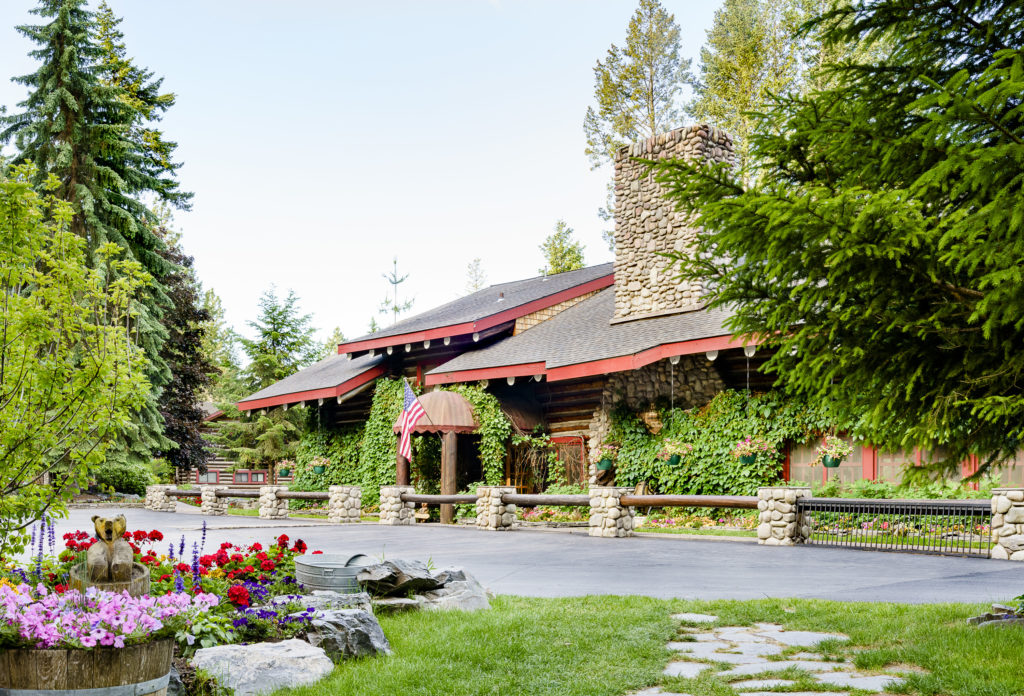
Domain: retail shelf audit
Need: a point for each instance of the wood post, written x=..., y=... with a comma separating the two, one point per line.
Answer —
x=449, y=443
x=401, y=471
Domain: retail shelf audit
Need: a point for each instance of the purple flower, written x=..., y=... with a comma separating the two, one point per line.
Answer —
x=179, y=582
x=170, y=551
x=181, y=547
x=202, y=545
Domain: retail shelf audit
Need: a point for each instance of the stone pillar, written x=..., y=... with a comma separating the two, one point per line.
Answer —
x=491, y=513
x=211, y=504
x=157, y=499
x=392, y=509
x=272, y=507
x=1008, y=524
x=779, y=522
x=344, y=503
x=608, y=517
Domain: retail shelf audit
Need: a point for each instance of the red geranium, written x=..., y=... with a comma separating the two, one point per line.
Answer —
x=262, y=556
x=183, y=568
x=256, y=547
x=237, y=557
x=282, y=540
x=300, y=546
x=249, y=569
x=238, y=595
x=226, y=545
x=267, y=565
x=165, y=577
x=60, y=589
x=156, y=535
x=140, y=535
x=317, y=552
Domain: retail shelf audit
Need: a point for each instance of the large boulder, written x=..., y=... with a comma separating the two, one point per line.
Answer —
x=460, y=591
x=261, y=668
x=325, y=600
x=397, y=578
x=347, y=633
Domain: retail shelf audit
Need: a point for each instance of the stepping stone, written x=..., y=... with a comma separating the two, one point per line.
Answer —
x=760, y=649
x=803, y=639
x=739, y=634
x=699, y=648
x=766, y=666
x=762, y=683
x=685, y=669
x=704, y=637
x=695, y=618
x=656, y=691
x=796, y=693
x=859, y=681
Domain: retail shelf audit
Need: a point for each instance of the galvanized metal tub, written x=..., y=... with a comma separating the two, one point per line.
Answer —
x=330, y=571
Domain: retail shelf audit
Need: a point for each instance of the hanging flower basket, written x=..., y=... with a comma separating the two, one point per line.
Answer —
x=832, y=451
x=320, y=464
x=747, y=459
x=606, y=456
x=284, y=473
x=748, y=449
x=673, y=451
x=830, y=462
x=318, y=469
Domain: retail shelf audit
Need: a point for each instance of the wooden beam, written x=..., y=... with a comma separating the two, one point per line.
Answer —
x=401, y=471
x=449, y=445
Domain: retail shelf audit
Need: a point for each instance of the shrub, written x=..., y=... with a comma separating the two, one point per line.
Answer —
x=124, y=477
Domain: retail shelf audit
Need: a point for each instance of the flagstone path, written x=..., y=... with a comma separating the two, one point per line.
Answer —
x=743, y=653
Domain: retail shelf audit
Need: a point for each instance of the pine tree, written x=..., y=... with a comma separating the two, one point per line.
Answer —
x=184, y=353
x=284, y=340
x=86, y=126
x=880, y=251
x=330, y=345
x=476, y=279
x=638, y=90
x=391, y=304
x=561, y=251
x=752, y=52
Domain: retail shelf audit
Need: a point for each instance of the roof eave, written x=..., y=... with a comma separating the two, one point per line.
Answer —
x=334, y=392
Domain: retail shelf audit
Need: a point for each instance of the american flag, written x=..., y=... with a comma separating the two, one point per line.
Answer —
x=412, y=411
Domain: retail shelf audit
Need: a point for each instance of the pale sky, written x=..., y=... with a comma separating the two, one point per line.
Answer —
x=323, y=138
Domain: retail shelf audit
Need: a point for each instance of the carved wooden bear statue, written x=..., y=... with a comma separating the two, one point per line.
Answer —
x=110, y=558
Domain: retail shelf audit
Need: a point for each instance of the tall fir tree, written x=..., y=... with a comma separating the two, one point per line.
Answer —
x=638, y=90
x=220, y=346
x=84, y=122
x=880, y=251
x=183, y=351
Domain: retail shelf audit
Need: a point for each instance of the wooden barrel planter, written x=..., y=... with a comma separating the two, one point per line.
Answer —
x=137, y=586
x=137, y=670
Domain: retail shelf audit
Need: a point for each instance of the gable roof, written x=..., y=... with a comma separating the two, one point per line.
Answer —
x=581, y=341
x=487, y=308
x=332, y=377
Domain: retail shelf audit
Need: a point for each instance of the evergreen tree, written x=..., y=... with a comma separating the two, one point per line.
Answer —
x=85, y=125
x=879, y=253
x=637, y=89
x=284, y=341
x=220, y=350
x=752, y=52
x=476, y=279
x=561, y=251
x=183, y=352
x=330, y=345
x=391, y=304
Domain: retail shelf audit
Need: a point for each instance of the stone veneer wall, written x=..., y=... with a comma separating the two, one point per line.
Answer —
x=779, y=522
x=210, y=504
x=491, y=513
x=393, y=510
x=530, y=320
x=1008, y=524
x=157, y=499
x=272, y=507
x=646, y=224
x=343, y=504
x=696, y=383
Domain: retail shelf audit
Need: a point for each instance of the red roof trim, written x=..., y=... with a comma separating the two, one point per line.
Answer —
x=635, y=362
x=596, y=367
x=522, y=370
x=481, y=324
x=324, y=393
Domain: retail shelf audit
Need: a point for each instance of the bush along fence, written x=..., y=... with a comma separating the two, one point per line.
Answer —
x=787, y=515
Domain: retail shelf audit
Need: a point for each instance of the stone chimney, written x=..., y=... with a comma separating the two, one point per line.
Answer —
x=646, y=224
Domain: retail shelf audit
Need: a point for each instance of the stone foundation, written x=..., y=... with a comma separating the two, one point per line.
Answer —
x=272, y=507
x=779, y=522
x=647, y=224
x=392, y=509
x=157, y=500
x=344, y=503
x=1008, y=524
x=491, y=513
x=608, y=517
x=693, y=382
x=210, y=503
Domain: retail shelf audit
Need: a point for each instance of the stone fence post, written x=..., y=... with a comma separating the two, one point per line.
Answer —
x=491, y=513
x=157, y=499
x=608, y=517
x=344, y=504
x=272, y=507
x=1008, y=524
x=210, y=503
x=779, y=522
x=392, y=510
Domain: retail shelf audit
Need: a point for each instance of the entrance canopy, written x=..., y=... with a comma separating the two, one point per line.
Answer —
x=446, y=412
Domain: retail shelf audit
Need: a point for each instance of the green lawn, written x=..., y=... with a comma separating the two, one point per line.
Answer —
x=610, y=646
x=704, y=531
x=255, y=512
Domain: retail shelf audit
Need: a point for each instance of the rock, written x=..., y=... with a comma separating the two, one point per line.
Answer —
x=999, y=553
x=397, y=578
x=323, y=600
x=395, y=604
x=464, y=595
x=1003, y=609
x=174, y=685
x=448, y=574
x=1014, y=515
x=261, y=668
x=347, y=633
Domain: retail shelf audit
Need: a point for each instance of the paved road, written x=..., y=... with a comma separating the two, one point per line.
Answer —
x=560, y=563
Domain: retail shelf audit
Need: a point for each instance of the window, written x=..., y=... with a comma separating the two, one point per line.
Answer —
x=241, y=477
x=208, y=477
x=258, y=477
